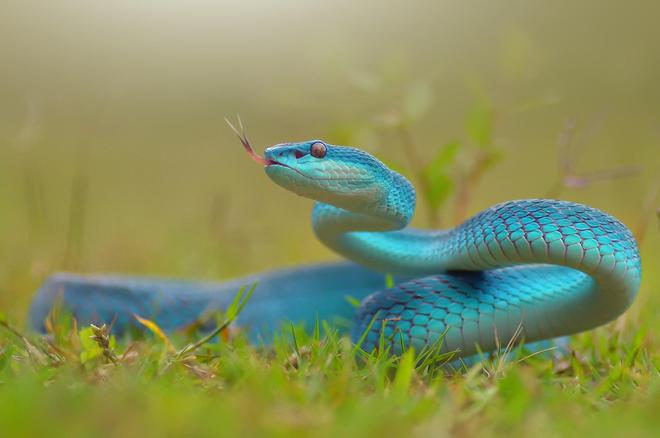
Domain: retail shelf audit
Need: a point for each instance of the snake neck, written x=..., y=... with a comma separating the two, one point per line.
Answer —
x=389, y=206
x=375, y=233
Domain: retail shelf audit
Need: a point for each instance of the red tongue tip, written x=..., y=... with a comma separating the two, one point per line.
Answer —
x=246, y=144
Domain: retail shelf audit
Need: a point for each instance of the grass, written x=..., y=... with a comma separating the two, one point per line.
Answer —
x=79, y=381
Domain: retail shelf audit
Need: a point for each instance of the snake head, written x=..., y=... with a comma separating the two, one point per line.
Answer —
x=342, y=176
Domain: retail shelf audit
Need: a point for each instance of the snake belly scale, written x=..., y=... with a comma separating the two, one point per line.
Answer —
x=541, y=268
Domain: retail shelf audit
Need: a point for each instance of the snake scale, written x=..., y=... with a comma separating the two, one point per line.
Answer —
x=540, y=268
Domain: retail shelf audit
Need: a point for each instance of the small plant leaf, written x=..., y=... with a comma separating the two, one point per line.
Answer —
x=90, y=349
x=446, y=155
x=153, y=328
x=439, y=184
x=440, y=187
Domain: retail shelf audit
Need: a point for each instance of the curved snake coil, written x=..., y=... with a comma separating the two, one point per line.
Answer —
x=547, y=268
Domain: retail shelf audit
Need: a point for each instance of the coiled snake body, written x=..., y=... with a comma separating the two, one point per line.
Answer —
x=546, y=268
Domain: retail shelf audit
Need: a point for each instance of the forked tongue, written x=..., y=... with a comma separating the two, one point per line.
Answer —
x=246, y=143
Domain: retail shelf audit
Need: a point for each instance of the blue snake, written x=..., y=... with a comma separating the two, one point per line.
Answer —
x=534, y=269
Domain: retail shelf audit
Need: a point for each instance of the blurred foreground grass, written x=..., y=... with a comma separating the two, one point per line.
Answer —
x=81, y=382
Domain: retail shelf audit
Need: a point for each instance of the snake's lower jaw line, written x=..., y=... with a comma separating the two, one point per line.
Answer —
x=276, y=165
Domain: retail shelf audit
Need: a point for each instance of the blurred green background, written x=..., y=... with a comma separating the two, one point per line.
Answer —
x=114, y=155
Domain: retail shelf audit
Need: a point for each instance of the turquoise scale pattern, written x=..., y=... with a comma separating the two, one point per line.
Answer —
x=553, y=268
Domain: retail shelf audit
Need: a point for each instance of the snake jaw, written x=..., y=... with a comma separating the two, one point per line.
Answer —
x=242, y=136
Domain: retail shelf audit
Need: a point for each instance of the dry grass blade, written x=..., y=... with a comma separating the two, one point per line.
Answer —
x=156, y=330
x=569, y=177
x=536, y=353
x=38, y=356
x=502, y=358
x=586, y=179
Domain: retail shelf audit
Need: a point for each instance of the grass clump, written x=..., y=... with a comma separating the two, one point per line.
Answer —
x=79, y=381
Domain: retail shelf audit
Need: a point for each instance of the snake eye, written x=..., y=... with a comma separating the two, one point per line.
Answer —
x=318, y=150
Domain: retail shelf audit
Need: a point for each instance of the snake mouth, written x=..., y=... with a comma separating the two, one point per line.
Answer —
x=266, y=162
x=269, y=162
